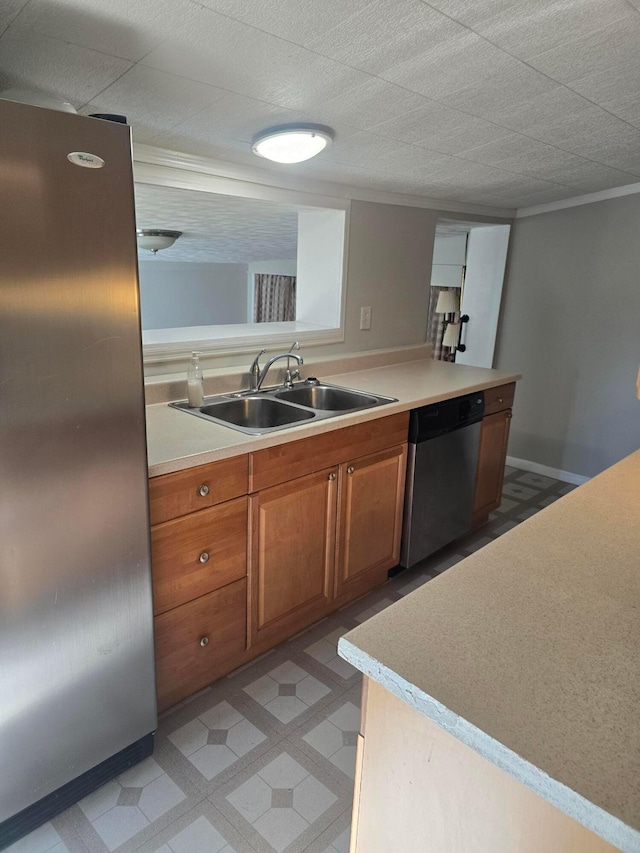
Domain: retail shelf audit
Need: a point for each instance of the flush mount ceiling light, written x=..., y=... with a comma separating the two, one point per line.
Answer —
x=155, y=239
x=292, y=143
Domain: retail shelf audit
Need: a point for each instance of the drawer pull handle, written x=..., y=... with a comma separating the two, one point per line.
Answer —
x=500, y=400
x=332, y=476
x=350, y=469
x=203, y=491
x=204, y=641
x=204, y=557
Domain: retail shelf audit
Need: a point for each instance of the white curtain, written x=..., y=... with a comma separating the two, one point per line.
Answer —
x=275, y=298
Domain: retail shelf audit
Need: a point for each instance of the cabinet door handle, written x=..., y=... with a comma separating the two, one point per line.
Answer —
x=204, y=641
x=332, y=476
x=204, y=557
x=203, y=491
x=350, y=469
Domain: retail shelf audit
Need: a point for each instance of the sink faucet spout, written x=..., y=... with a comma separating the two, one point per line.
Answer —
x=272, y=360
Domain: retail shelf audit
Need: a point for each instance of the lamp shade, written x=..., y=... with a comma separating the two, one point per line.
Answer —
x=450, y=337
x=447, y=302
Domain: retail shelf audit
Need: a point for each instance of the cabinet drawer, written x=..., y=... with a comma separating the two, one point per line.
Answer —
x=198, y=553
x=308, y=455
x=199, y=642
x=500, y=398
x=174, y=495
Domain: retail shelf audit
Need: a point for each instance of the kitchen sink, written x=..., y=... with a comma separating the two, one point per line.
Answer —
x=253, y=415
x=327, y=398
x=256, y=413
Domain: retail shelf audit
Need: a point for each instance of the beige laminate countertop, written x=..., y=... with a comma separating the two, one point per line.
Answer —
x=529, y=652
x=177, y=440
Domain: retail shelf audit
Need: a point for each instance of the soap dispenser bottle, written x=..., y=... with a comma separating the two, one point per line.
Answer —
x=195, y=382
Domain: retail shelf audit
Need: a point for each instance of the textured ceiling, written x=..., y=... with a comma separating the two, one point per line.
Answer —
x=217, y=229
x=499, y=102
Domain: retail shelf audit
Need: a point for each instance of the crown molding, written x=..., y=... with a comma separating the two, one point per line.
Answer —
x=576, y=201
x=152, y=156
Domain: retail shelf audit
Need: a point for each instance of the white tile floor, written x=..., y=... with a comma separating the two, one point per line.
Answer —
x=216, y=739
x=335, y=737
x=263, y=760
x=287, y=691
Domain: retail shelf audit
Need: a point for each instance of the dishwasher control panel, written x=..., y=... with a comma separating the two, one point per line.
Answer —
x=445, y=416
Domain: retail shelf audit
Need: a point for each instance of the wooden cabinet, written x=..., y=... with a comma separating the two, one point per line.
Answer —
x=248, y=551
x=292, y=555
x=499, y=398
x=492, y=453
x=370, y=516
x=174, y=495
x=198, y=553
x=199, y=642
x=324, y=538
x=296, y=458
x=494, y=435
x=419, y=788
x=199, y=568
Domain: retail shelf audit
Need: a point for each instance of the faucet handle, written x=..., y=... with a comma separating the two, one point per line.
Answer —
x=289, y=376
x=294, y=345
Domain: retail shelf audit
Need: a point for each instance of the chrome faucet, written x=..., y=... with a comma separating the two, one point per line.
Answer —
x=254, y=371
x=289, y=376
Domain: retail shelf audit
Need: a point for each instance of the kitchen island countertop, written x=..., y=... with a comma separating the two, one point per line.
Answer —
x=177, y=440
x=528, y=652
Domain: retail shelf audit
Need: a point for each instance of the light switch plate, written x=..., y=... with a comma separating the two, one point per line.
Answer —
x=365, y=318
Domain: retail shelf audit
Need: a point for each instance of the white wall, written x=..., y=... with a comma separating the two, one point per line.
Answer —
x=175, y=293
x=570, y=325
x=320, y=261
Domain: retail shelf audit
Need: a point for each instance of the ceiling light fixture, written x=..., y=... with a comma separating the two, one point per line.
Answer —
x=292, y=143
x=155, y=239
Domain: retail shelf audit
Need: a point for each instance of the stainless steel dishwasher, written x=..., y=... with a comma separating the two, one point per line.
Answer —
x=441, y=474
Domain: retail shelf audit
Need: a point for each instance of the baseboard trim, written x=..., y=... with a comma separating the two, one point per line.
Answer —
x=21, y=824
x=547, y=471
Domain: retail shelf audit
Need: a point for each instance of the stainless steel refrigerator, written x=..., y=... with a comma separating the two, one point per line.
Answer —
x=77, y=697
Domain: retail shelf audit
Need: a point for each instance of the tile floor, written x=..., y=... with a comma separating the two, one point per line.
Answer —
x=263, y=760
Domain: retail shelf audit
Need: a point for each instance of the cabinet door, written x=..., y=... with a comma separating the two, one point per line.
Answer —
x=199, y=642
x=371, y=501
x=492, y=455
x=292, y=555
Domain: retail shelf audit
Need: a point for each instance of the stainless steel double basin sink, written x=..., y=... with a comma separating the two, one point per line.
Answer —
x=256, y=413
